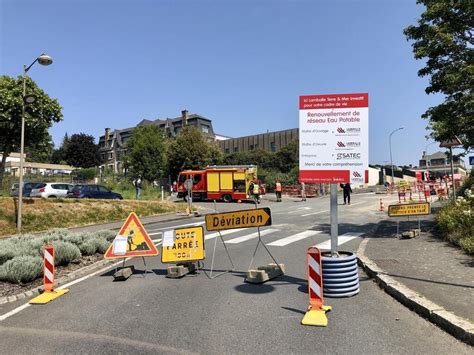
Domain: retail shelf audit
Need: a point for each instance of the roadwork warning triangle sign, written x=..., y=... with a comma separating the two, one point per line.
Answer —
x=131, y=241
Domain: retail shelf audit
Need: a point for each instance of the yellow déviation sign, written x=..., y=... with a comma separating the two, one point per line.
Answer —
x=239, y=219
x=188, y=246
x=409, y=209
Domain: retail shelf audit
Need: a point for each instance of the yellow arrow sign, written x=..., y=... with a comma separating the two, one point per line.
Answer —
x=409, y=209
x=239, y=219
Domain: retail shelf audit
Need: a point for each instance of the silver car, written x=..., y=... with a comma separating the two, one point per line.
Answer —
x=51, y=190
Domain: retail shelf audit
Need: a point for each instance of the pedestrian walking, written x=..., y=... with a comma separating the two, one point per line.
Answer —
x=174, y=187
x=303, y=192
x=278, y=190
x=138, y=187
x=346, y=190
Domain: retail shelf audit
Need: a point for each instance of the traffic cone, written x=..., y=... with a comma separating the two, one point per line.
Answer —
x=381, y=208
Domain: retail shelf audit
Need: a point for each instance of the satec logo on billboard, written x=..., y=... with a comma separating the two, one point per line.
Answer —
x=348, y=156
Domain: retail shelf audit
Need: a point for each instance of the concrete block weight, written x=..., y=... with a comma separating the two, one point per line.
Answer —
x=265, y=273
x=124, y=274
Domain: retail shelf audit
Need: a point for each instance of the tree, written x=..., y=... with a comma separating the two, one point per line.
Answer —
x=444, y=37
x=146, y=152
x=81, y=151
x=259, y=157
x=288, y=157
x=39, y=117
x=59, y=155
x=191, y=150
x=42, y=153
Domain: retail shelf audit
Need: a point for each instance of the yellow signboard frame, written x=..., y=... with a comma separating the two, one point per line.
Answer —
x=258, y=217
x=409, y=209
x=188, y=246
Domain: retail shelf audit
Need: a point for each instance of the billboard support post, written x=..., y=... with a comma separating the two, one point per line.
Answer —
x=334, y=225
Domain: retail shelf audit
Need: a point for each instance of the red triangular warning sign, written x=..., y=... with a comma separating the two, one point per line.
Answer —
x=132, y=240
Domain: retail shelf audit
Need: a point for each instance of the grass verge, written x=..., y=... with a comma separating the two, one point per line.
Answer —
x=44, y=214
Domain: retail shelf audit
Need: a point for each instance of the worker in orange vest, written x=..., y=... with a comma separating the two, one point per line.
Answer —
x=278, y=190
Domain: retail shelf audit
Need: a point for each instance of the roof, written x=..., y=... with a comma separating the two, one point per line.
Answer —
x=437, y=155
x=27, y=164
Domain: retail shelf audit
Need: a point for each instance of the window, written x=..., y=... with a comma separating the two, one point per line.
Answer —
x=110, y=155
x=196, y=179
x=102, y=156
x=103, y=189
x=236, y=149
x=273, y=147
x=205, y=129
x=251, y=146
x=182, y=178
x=227, y=150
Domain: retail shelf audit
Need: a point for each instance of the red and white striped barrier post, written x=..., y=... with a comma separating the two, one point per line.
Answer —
x=49, y=293
x=48, y=278
x=316, y=314
x=381, y=206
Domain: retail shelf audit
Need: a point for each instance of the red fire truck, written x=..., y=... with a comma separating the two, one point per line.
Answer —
x=227, y=183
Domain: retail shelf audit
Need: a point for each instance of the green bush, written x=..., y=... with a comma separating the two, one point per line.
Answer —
x=88, y=246
x=65, y=252
x=102, y=245
x=7, y=251
x=106, y=234
x=21, y=269
x=456, y=221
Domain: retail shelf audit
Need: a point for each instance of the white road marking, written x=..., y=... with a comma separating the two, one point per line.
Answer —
x=244, y=238
x=293, y=238
x=311, y=214
x=175, y=227
x=347, y=237
x=26, y=305
x=229, y=231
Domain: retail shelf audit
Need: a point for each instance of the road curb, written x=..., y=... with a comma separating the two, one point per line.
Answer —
x=459, y=327
x=61, y=281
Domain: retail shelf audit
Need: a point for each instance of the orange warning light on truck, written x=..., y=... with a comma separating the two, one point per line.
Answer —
x=224, y=182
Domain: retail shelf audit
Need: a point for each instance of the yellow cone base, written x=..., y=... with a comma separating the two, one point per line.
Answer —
x=316, y=317
x=47, y=297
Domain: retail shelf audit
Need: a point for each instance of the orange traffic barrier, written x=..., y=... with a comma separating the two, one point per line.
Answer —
x=49, y=293
x=316, y=314
x=48, y=278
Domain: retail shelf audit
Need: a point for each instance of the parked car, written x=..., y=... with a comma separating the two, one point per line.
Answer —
x=27, y=187
x=51, y=190
x=93, y=191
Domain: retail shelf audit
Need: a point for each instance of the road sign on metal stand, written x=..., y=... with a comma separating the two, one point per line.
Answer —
x=258, y=217
x=210, y=275
x=131, y=241
x=409, y=209
x=264, y=273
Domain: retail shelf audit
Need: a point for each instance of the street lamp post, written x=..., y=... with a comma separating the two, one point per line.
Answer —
x=390, y=141
x=43, y=59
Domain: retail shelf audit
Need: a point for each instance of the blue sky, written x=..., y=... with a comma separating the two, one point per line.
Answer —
x=242, y=64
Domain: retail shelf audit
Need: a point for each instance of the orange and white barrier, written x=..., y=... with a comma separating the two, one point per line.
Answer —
x=49, y=293
x=381, y=206
x=316, y=314
x=48, y=278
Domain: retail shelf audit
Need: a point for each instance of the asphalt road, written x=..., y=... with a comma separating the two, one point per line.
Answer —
x=195, y=314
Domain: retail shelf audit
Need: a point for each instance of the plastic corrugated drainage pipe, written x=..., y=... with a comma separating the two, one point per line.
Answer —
x=340, y=275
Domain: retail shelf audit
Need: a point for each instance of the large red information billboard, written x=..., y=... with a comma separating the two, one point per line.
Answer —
x=334, y=132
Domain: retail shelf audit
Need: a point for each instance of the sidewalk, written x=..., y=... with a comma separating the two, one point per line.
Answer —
x=429, y=266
